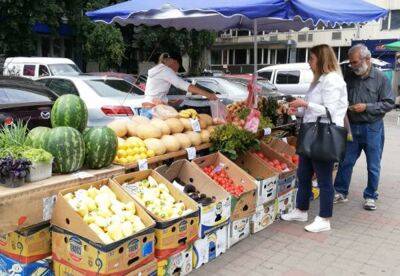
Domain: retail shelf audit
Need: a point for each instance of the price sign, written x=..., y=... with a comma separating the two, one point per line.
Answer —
x=284, y=139
x=267, y=131
x=48, y=206
x=191, y=153
x=195, y=125
x=82, y=175
x=143, y=165
x=131, y=189
x=293, y=117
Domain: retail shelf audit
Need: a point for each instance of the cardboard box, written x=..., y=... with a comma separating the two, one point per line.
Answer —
x=149, y=269
x=264, y=177
x=210, y=247
x=27, y=245
x=282, y=148
x=9, y=266
x=285, y=203
x=76, y=245
x=178, y=264
x=173, y=235
x=245, y=205
x=287, y=184
x=238, y=230
x=212, y=216
x=265, y=215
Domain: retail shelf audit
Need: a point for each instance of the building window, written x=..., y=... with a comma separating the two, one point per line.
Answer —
x=310, y=37
x=302, y=37
x=281, y=56
x=240, y=56
x=273, y=56
x=216, y=57
x=336, y=35
x=225, y=54
x=348, y=26
x=259, y=56
x=273, y=37
x=266, y=57
x=392, y=21
x=243, y=33
x=231, y=53
x=301, y=54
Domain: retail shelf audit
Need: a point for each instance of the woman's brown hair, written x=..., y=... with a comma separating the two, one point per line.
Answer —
x=326, y=60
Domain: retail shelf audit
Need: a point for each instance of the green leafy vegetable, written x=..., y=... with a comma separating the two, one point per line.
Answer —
x=14, y=135
x=244, y=113
x=38, y=155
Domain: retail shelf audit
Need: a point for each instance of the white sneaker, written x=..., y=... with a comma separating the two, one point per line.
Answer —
x=319, y=225
x=296, y=215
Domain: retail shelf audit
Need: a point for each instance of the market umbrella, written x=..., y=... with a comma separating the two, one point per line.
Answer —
x=394, y=46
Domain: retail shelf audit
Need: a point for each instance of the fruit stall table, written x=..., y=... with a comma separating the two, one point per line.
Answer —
x=32, y=203
x=157, y=160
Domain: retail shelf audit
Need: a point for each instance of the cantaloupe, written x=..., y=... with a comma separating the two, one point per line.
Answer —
x=145, y=131
x=140, y=119
x=174, y=125
x=186, y=124
x=183, y=140
x=207, y=118
x=195, y=138
x=203, y=123
x=131, y=127
x=155, y=145
x=205, y=136
x=119, y=127
x=162, y=125
x=171, y=143
x=211, y=129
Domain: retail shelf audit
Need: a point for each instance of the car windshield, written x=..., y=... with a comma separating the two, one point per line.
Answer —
x=105, y=88
x=10, y=95
x=64, y=69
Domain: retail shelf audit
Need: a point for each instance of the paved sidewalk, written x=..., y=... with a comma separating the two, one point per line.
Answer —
x=360, y=243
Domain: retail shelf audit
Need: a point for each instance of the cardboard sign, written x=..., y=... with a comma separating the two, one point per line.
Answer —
x=195, y=125
x=191, y=153
x=48, y=206
x=143, y=165
x=267, y=131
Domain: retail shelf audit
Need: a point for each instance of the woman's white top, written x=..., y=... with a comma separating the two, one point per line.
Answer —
x=160, y=78
x=329, y=91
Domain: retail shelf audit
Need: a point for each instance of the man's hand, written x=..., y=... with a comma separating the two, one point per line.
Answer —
x=292, y=111
x=298, y=103
x=360, y=107
x=212, y=97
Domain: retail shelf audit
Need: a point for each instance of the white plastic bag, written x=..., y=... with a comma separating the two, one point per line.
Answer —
x=218, y=112
x=164, y=112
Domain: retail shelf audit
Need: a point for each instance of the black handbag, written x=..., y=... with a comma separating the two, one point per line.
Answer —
x=324, y=142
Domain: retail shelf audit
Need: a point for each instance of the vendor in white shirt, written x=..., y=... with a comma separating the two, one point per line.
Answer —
x=163, y=75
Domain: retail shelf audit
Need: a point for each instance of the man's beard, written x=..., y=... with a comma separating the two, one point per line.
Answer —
x=361, y=70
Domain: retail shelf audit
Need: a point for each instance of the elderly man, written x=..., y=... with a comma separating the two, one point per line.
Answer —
x=370, y=98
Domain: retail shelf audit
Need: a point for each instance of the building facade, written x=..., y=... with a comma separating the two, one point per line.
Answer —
x=233, y=49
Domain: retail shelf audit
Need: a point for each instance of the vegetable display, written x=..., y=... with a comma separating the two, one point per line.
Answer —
x=36, y=136
x=13, y=168
x=276, y=164
x=194, y=194
x=111, y=219
x=220, y=176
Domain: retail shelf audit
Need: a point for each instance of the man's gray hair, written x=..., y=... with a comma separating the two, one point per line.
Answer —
x=364, y=51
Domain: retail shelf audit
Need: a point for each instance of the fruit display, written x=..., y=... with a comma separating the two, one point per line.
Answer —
x=131, y=150
x=194, y=194
x=294, y=158
x=69, y=110
x=276, y=164
x=220, y=176
x=100, y=147
x=67, y=147
x=157, y=198
x=238, y=115
x=36, y=136
x=111, y=219
x=188, y=113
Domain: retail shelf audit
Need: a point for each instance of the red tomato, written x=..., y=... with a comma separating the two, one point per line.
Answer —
x=284, y=166
x=260, y=154
x=276, y=162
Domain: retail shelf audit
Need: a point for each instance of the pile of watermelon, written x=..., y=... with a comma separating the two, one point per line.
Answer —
x=72, y=145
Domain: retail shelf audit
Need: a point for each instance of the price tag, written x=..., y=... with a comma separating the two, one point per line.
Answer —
x=178, y=186
x=48, y=205
x=267, y=131
x=131, y=189
x=219, y=167
x=191, y=153
x=195, y=125
x=143, y=165
x=82, y=175
x=284, y=139
x=293, y=117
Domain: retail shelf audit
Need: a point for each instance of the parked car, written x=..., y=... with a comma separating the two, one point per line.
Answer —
x=37, y=67
x=106, y=98
x=23, y=99
x=290, y=79
x=264, y=83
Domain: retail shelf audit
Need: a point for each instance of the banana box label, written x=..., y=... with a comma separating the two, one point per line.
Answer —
x=238, y=230
x=178, y=264
x=214, y=216
x=285, y=203
x=11, y=267
x=266, y=190
x=264, y=216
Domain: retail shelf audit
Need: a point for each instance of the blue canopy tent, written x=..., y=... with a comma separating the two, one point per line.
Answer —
x=256, y=15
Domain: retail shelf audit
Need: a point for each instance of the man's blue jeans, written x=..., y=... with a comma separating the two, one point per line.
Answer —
x=370, y=138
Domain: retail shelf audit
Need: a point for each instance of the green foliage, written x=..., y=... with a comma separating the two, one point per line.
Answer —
x=14, y=135
x=232, y=141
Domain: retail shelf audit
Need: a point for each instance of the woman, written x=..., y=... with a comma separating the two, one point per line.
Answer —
x=328, y=90
x=163, y=75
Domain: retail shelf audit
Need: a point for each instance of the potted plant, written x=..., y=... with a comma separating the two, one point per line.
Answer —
x=41, y=167
x=13, y=171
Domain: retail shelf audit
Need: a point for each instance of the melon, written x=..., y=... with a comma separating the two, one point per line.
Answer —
x=205, y=136
x=131, y=128
x=162, y=125
x=195, y=138
x=171, y=143
x=36, y=136
x=206, y=118
x=155, y=145
x=145, y=131
x=140, y=120
x=101, y=145
x=67, y=146
x=70, y=111
x=186, y=124
x=174, y=125
x=119, y=127
x=183, y=140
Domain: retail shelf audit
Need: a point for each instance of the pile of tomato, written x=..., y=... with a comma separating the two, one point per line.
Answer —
x=276, y=164
x=221, y=177
x=294, y=158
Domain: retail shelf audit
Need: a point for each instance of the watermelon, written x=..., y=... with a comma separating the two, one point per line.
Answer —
x=36, y=136
x=68, y=148
x=69, y=110
x=100, y=146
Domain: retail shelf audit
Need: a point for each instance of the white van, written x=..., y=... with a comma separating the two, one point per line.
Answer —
x=37, y=67
x=290, y=79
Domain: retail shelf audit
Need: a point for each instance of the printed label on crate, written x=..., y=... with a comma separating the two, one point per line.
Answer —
x=191, y=153
x=143, y=165
x=195, y=125
x=267, y=131
x=48, y=206
x=75, y=249
x=131, y=189
x=214, y=215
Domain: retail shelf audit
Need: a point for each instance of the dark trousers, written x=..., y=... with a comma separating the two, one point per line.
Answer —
x=369, y=138
x=305, y=172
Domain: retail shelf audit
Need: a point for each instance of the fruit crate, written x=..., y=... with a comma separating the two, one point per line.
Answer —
x=286, y=150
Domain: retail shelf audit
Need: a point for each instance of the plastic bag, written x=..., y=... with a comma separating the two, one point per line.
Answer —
x=164, y=112
x=218, y=112
x=253, y=121
x=347, y=126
